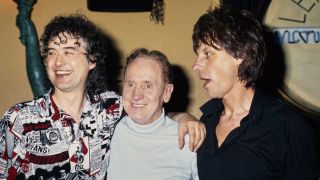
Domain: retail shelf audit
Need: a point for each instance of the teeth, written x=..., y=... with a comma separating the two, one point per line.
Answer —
x=138, y=105
x=62, y=72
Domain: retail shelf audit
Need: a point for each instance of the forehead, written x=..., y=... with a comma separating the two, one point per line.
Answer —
x=205, y=47
x=67, y=39
x=144, y=68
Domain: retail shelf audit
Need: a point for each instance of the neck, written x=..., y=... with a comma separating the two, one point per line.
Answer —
x=70, y=102
x=238, y=102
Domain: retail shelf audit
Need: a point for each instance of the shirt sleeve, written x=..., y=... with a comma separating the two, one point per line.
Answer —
x=112, y=103
x=301, y=157
x=6, y=142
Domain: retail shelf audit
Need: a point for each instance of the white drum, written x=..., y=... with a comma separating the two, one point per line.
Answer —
x=297, y=24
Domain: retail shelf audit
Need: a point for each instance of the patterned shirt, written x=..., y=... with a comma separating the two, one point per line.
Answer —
x=40, y=141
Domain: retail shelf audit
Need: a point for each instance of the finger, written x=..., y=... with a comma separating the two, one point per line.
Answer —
x=181, y=134
x=202, y=137
x=197, y=137
x=204, y=130
x=192, y=137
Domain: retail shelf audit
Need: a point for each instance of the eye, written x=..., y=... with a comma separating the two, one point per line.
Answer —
x=147, y=86
x=207, y=54
x=52, y=54
x=130, y=84
x=68, y=53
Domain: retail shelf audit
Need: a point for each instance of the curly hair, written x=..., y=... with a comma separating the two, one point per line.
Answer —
x=158, y=56
x=79, y=26
x=239, y=34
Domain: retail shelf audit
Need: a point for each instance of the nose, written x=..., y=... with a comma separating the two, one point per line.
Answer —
x=60, y=60
x=196, y=65
x=138, y=93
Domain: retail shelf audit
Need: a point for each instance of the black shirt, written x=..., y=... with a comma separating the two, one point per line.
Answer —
x=272, y=142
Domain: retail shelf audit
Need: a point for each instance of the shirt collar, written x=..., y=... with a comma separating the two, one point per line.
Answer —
x=214, y=106
x=257, y=104
x=56, y=112
x=146, y=128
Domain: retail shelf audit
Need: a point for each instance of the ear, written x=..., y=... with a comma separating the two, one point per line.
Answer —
x=239, y=61
x=92, y=61
x=167, y=92
x=92, y=65
x=45, y=62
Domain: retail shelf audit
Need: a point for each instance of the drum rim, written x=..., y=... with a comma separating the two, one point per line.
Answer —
x=295, y=100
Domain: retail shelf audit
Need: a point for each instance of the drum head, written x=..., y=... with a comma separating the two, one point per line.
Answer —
x=297, y=28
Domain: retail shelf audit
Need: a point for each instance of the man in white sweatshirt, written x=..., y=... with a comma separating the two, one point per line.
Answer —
x=144, y=145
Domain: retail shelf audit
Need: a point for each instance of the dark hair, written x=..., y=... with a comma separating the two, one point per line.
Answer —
x=239, y=34
x=80, y=27
x=158, y=56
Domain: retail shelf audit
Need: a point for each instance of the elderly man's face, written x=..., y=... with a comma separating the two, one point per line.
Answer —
x=144, y=90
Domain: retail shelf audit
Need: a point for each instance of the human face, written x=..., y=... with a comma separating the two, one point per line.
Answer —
x=217, y=69
x=144, y=90
x=67, y=64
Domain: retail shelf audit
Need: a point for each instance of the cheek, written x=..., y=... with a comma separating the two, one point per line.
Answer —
x=49, y=70
x=126, y=92
x=126, y=105
x=49, y=65
x=152, y=96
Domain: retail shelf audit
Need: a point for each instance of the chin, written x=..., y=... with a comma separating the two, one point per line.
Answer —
x=214, y=95
x=138, y=121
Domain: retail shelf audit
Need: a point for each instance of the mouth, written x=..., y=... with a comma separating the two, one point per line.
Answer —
x=135, y=105
x=62, y=73
x=205, y=81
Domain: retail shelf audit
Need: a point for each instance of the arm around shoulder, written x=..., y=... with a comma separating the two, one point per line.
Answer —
x=188, y=124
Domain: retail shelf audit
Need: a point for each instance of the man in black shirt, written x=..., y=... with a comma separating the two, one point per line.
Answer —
x=250, y=135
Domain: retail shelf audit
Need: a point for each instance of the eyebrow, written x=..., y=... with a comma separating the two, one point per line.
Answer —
x=202, y=49
x=133, y=81
x=71, y=48
x=65, y=48
x=147, y=81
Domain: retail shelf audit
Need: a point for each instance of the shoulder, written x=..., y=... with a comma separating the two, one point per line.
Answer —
x=278, y=110
x=27, y=108
x=105, y=96
x=23, y=112
x=107, y=100
x=282, y=118
x=109, y=103
x=171, y=124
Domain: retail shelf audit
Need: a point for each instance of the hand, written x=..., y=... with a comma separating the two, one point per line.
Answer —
x=188, y=124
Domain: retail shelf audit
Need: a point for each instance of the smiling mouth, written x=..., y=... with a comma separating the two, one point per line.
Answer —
x=138, y=105
x=63, y=72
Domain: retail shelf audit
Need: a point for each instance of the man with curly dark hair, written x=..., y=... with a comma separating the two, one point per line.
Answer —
x=66, y=133
x=250, y=135
x=94, y=50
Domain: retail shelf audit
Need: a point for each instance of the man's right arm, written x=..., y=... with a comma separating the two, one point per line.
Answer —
x=6, y=142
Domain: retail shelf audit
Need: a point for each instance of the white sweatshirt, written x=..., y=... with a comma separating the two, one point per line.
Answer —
x=150, y=152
